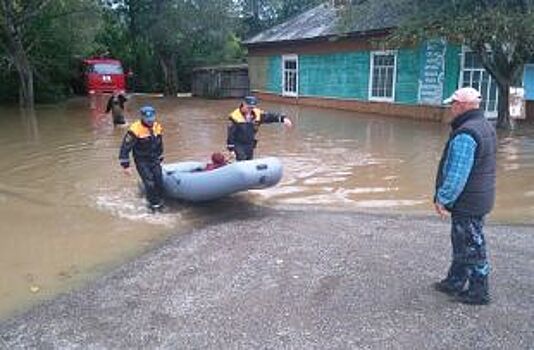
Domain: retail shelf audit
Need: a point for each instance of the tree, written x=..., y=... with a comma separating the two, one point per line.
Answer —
x=34, y=41
x=15, y=16
x=166, y=32
x=500, y=32
x=259, y=15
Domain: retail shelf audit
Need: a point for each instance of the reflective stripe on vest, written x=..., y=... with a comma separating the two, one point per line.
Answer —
x=141, y=131
x=238, y=117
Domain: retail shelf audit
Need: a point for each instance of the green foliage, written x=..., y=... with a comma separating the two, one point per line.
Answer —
x=60, y=32
x=160, y=41
x=259, y=15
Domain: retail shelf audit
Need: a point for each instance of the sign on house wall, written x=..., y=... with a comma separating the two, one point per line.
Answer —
x=432, y=73
x=517, y=103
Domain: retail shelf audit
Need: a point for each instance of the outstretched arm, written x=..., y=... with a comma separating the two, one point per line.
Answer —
x=270, y=117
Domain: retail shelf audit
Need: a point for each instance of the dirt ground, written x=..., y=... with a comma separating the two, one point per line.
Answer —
x=291, y=279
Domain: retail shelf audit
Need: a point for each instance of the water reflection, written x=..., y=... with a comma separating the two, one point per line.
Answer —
x=68, y=212
x=30, y=124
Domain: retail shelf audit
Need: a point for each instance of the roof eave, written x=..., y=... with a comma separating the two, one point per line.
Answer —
x=332, y=37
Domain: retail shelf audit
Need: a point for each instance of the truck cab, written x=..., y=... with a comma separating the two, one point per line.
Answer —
x=103, y=75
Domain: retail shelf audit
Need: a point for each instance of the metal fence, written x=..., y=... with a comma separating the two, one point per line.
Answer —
x=221, y=81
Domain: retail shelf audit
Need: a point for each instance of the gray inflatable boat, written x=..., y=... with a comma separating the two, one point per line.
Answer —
x=189, y=181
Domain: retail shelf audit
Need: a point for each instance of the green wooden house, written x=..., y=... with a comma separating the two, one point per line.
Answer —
x=308, y=60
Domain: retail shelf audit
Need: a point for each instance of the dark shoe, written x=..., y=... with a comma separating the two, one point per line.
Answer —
x=156, y=208
x=445, y=287
x=471, y=298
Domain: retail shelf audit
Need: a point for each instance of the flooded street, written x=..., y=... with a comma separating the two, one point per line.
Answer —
x=68, y=212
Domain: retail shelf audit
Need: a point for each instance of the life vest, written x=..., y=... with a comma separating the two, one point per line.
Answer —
x=148, y=146
x=141, y=131
x=237, y=117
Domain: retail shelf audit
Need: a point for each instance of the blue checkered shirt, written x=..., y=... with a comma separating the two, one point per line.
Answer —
x=457, y=167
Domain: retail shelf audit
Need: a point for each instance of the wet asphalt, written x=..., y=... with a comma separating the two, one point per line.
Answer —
x=293, y=279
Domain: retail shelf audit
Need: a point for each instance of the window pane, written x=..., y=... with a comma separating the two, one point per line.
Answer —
x=382, y=75
x=466, y=78
x=469, y=59
x=107, y=68
x=290, y=75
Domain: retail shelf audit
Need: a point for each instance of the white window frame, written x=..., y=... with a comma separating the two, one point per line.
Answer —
x=489, y=114
x=394, y=81
x=286, y=58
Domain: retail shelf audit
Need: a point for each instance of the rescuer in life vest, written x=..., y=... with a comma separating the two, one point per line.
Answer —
x=144, y=138
x=244, y=123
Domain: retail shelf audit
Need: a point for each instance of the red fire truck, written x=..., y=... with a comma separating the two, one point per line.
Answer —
x=103, y=75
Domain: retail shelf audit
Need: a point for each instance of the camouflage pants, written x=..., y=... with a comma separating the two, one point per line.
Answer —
x=469, y=261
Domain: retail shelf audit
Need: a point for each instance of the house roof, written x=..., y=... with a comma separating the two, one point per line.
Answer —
x=325, y=20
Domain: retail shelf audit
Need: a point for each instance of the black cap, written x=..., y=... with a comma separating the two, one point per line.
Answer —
x=250, y=101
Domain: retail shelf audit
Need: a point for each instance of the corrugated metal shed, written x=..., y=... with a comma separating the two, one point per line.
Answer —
x=221, y=81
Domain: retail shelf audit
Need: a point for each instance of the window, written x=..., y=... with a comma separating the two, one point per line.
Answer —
x=106, y=68
x=383, y=72
x=290, y=75
x=474, y=75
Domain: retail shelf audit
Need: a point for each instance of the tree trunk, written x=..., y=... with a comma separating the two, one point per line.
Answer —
x=170, y=75
x=17, y=53
x=26, y=92
x=31, y=124
x=503, y=120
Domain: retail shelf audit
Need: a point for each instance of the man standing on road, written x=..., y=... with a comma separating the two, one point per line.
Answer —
x=465, y=188
x=244, y=124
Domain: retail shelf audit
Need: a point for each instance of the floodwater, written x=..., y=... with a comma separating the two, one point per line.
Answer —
x=68, y=213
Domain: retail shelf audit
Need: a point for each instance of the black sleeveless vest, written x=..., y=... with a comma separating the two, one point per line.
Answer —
x=478, y=196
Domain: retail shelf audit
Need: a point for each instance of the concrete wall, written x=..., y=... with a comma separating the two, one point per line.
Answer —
x=420, y=112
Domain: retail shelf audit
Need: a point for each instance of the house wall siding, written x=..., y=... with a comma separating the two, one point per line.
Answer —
x=258, y=72
x=452, y=69
x=274, y=74
x=408, y=69
x=344, y=75
x=338, y=75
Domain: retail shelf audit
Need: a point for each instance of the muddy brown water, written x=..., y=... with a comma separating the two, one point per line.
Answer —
x=67, y=212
